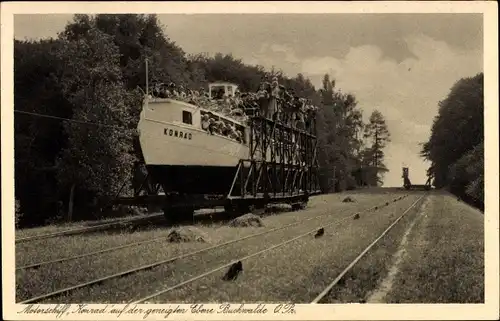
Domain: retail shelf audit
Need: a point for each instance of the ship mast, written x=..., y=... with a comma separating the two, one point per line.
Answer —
x=147, y=82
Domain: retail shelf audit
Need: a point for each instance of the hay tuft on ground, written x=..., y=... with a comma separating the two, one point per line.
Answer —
x=348, y=199
x=187, y=234
x=247, y=220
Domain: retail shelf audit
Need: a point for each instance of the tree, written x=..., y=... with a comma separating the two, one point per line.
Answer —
x=37, y=89
x=91, y=73
x=138, y=37
x=340, y=122
x=377, y=136
x=99, y=156
x=458, y=160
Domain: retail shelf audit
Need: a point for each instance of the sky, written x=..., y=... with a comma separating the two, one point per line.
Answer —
x=399, y=64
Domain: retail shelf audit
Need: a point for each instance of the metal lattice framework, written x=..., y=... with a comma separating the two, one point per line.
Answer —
x=283, y=163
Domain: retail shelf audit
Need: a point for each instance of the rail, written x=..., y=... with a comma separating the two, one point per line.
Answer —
x=86, y=229
x=249, y=256
x=169, y=260
x=327, y=290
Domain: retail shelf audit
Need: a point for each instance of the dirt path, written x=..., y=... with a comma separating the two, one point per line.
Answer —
x=378, y=295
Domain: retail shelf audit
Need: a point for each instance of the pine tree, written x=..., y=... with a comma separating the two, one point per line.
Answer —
x=377, y=136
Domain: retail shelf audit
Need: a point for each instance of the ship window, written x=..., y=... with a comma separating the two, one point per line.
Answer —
x=187, y=117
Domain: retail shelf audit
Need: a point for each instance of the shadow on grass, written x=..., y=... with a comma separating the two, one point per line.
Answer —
x=378, y=190
x=206, y=217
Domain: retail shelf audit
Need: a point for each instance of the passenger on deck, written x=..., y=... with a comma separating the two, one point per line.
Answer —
x=212, y=127
x=300, y=123
x=182, y=93
x=165, y=93
x=218, y=127
x=281, y=92
x=263, y=96
x=273, y=103
x=174, y=91
x=155, y=91
x=205, y=122
x=237, y=112
x=193, y=97
x=288, y=100
x=225, y=129
x=219, y=94
x=237, y=99
x=233, y=132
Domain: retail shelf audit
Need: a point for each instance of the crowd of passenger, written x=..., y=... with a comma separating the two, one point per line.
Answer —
x=286, y=107
x=215, y=125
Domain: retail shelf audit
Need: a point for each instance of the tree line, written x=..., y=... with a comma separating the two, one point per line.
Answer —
x=93, y=74
x=456, y=144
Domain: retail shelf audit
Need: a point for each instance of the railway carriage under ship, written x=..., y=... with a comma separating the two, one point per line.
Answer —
x=252, y=162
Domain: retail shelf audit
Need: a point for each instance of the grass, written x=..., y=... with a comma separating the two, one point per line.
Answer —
x=146, y=282
x=60, y=227
x=357, y=285
x=64, y=246
x=445, y=261
x=32, y=283
x=296, y=272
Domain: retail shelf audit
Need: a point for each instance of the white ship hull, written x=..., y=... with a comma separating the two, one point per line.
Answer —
x=184, y=157
x=165, y=142
x=174, y=144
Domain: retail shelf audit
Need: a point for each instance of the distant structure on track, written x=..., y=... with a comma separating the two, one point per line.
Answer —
x=408, y=185
x=259, y=148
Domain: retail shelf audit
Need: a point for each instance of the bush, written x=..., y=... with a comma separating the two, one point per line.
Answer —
x=18, y=214
x=467, y=175
x=350, y=183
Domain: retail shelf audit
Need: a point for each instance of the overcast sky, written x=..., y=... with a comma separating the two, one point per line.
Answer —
x=400, y=64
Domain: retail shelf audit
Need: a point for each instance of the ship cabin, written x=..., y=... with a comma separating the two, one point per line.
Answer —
x=219, y=89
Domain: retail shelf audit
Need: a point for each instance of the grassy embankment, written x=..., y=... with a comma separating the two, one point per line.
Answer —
x=433, y=256
x=34, y=282
x=445, y=261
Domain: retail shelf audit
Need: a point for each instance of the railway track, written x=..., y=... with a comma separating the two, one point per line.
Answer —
x=75, y=257
x=124, y=246
x=190, y=254
x=326, y=291
x=312, y=231
x=87, y=229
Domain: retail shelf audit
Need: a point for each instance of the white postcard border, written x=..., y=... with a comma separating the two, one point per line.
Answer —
x=488, y=310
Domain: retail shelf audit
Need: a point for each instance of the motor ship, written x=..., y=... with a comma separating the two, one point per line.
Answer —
x=181, y=152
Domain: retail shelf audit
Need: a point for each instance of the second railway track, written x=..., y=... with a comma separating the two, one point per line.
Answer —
x=87, y=229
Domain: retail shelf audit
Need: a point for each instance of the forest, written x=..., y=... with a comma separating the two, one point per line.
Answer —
x=77, y=98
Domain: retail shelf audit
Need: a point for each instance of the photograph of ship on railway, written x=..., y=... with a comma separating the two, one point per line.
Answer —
x=211, y=158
